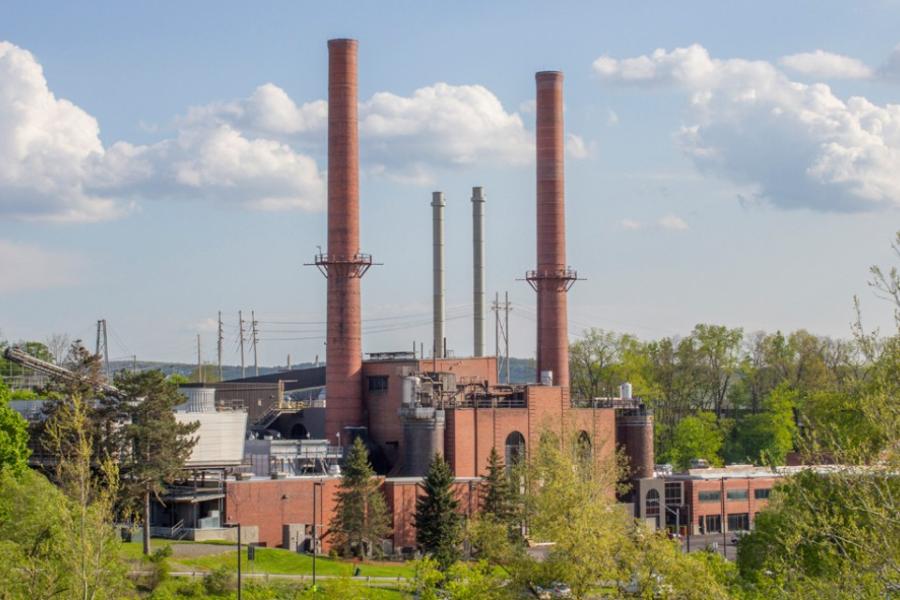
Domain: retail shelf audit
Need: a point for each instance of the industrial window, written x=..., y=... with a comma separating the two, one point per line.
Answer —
x=673, y=494
x=710, y=496
x=652, y=503
x=711, y=524
x=378, y=383
x=739, y=522
x=761, y=494
x=736, y=494
x=515, y=448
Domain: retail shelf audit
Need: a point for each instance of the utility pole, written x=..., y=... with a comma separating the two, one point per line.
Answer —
x=219, y=348
x=254, y=332
x=501, y=332
x=102, y=346
x=495, y=307
x=241, y=329
x=506, y=332
x=199, y=362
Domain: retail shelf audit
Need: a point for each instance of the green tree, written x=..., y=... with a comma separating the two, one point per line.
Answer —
x=719, y=349
x=499, y=494
x=156, y=444
x=14, y=451
x=90, y=548
x=360, y=519
x=696, y=436
x=438, y=522
x=601, y=360
x=768, y=436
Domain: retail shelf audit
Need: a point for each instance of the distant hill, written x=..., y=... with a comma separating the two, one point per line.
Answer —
x=186, y=369
x=521, y=370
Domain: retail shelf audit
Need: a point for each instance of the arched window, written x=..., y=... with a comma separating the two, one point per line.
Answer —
x=515, y=448
x=583, y=447
x=652, y=503
x=298, y=432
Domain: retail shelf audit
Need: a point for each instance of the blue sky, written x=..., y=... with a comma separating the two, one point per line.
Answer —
x=165, y=160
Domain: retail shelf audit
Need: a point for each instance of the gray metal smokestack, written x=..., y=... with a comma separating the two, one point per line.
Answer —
x=478, y=267
x=437, y=210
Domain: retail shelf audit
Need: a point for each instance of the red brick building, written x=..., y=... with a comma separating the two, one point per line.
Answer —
x=706, y=501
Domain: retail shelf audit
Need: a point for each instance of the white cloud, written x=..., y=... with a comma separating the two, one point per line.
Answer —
x=29, y=267
x=673, y=223
x=528, y=107
x=46, y=147
x=612, y=118
x=630, y=224
x=258, y=152
x=795, y=145
x=826, y=65
x=54, y=167
x=441, y=126
x=576, y=147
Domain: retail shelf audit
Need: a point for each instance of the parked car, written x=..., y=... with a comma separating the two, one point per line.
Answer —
x=557, y=589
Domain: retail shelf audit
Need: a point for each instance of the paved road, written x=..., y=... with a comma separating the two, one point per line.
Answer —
x=702, y=542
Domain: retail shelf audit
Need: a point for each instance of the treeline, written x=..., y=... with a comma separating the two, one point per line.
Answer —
x=725, y=395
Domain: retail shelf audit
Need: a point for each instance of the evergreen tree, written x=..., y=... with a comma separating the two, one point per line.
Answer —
x=498, y=493
x=360, y=520
x=157, y=445
x=438, y=524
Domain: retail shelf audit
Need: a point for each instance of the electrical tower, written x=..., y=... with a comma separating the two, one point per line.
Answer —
x=241, y=333
x=501, y=333
x=219, y=348
x=102, y=348
x=254, y=331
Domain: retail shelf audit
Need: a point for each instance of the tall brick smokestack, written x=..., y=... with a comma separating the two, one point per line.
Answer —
x=343, y=265
x=552, y=278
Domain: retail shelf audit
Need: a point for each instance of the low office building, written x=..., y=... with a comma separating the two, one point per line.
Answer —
x=705, y=500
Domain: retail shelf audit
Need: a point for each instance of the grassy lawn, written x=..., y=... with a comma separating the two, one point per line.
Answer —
x=273, y=560
x=276, y=560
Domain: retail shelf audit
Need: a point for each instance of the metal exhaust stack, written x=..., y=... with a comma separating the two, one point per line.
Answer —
x=478, y=268
x=552, y=278
x=344, y=265
x=437, y=212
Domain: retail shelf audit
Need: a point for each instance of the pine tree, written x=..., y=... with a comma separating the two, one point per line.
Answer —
x=157, y=444
x=360, y=520
x=438, y=524
x=498, y=493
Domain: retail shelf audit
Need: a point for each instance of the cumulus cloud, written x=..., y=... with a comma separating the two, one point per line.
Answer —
x=261, y=152
x=826, y=65
x=630, y=224
x=673, y=223
x=795, y=145
x=441, y=125
x=53, y=165
x=47, y=146
x=27, y=267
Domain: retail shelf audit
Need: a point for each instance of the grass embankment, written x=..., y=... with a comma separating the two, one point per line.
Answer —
x=275, y=561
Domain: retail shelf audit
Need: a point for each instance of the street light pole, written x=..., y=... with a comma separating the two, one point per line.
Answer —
x=238, y=525
x=315, y=532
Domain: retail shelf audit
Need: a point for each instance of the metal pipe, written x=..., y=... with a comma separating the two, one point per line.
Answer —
x=437, y=213
x=478, y=268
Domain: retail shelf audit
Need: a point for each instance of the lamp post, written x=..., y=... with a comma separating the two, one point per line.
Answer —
x=238, y=525
x=317, y=485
